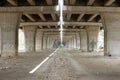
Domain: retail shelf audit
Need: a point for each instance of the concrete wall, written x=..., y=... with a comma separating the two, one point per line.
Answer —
x=9, y=23
x=30, y=34
x=112, y=33
x=92, y=32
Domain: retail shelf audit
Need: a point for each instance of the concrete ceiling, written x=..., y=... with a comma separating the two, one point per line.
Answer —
x=74, y=17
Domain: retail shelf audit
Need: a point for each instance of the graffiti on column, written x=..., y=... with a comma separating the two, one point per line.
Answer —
x=92, y=45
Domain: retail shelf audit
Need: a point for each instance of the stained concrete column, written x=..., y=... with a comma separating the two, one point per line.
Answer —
x=92, y=32
x=30, y=35
x=9, y=24
x=48, y=43
x=77, y=40
x=39, y=36
x=111, y=23
x=74, y=41
x=83, y=40
x=45, y=41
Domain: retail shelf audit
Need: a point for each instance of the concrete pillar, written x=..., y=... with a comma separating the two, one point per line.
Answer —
x=0, y=42
x=83, y=40
x=39, y=36
x=45, y=41
x=111, y=23
x=92, y=32
x=48, y=43
x=30, y=35
x=74, y=40
x=77, y=40
x=9, y=24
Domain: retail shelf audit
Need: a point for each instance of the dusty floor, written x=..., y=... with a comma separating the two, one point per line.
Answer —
x=65, y=64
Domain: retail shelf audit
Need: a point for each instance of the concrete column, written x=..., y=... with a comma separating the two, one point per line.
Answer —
x=0, y=42
x=77, y=40
x=83, y=40
x=30, y=35
x=48, y=43
x=111, y=23
x=9, y=24
x=92, y=32
x=39, y=36
x=74, y=40
x=71, y=43
x=45, y=42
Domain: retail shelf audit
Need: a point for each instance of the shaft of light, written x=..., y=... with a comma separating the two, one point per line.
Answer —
x=61, y=20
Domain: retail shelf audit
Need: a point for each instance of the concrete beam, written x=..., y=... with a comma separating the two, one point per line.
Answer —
x=53, y=17
x=69, y=16
x=74, y=26
x=65, y=23
x=109, y=2
x=52, y=9
x=49, y=26
x=49, y=2
x=30, y=17
x=42, y=17
x=89, y=9
x=31, y=2
x=92, y=17
x=80, y=17
x=90, y=2
x=12, y=2
x=39, y=23
x=66, y=1
x=99, y=20
x=72, y=2
x=40, y=26
x=83, y=23
x=30, y=9
x=63, y=30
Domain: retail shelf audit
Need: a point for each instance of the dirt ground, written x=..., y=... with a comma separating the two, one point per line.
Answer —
x=65, y=64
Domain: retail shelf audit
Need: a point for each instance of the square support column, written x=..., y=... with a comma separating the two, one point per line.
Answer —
x=39, y=36
x=92, y=32
x=83, y=40
x=30, y=35
x=44, y=41
x=111, y=22
x=9, y=24
x=77, y=40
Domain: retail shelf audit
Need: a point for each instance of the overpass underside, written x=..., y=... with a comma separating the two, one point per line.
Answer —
x=44, y=57
x=39, y=19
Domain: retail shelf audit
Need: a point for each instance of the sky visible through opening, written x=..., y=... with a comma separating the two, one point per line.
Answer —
x=61, y=19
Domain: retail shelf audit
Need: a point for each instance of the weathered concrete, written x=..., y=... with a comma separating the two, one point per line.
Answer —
x=0, y=42
x=9, y=24
x=45, y=41
x=83, y=40
x=39, y=36
x=77, y=40
x=48, y=43
x=30, y=34
x=112, y=33
x=92, y=33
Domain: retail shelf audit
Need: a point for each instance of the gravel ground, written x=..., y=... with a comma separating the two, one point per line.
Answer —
x=65, y=64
